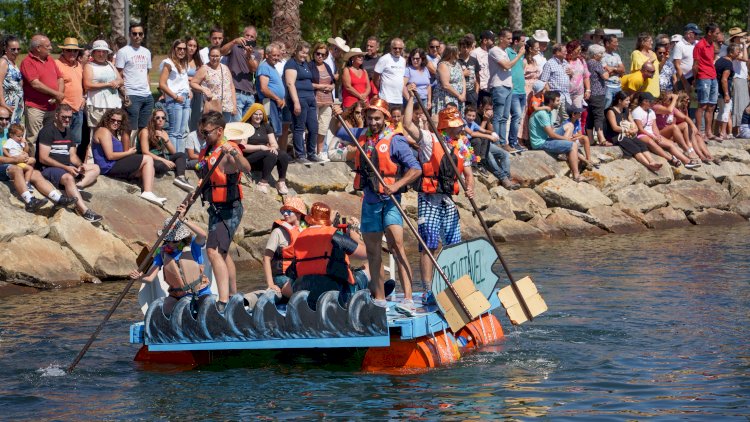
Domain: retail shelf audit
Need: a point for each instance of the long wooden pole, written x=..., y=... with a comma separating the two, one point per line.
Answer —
x=448, y=152
x=189, y=201
x=413, y=229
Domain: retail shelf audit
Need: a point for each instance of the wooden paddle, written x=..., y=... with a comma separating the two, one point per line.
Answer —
x=521, y=300
x=457, y=316
x=145, y=262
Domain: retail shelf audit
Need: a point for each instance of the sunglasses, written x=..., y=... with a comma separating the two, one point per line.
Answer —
x=205, y=133
x=319, y=54
x=287, y=213
x=117, y=121
x=66, y=117
x=397, y=48
x=160, y=118
x=15, y=50
x=4, y=119
x=137, y=34
x=181, y=48
x=434, y=47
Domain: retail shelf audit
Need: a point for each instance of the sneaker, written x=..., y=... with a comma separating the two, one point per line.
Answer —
x=509, y=184
x=406, y=307
x=281, y=188
x=389, y=286
x=302, y=160
x=428, y=299
x=314, y=158
x=35, y=204
x=150, y=197
x=66, y=201
x=323, y=156
x=182, y=183
x=692, y=164
x=262, y=187
x=91, y=216
x=380, y=302
x=29, y=187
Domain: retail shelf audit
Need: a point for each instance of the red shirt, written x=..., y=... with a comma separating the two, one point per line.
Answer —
x=703, y=55
x=47, y=72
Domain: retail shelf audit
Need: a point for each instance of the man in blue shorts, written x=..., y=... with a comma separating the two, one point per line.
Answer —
x=554, y=142
x=398, y=166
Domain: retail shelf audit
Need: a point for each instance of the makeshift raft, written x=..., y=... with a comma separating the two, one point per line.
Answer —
x=394, y=342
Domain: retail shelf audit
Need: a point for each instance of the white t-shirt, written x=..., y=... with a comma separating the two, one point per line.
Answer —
x=484, y=71
x=391, y=70
x=646, y=119
x=14, y=148
x=177, y=81
x=135, y=65
x=683, y=51
x=498, y=75
x=540, y=60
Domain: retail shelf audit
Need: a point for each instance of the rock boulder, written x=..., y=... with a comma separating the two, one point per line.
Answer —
x=614, y=175
x=525, y=203
x=319, y=178
x=41, y=263
x=666, y=218
x=640, y=197
x=571, y=225
x=514, y=230
x=564, y=192
x=715, y=217
x=615, y=220
x=687, y=195
x=742, y=208
x=532, y=168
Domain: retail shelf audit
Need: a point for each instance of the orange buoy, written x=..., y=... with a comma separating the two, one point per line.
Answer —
x=483, y=330
x=412, y=355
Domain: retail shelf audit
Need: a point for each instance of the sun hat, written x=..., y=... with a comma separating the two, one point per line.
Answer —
x=179, y=231
x=538, y=87
x=736, y=32
x=340, y=43
x=70, y=43
x=380, y=105
x=294, y=203
x=693, y=28
x=237, y=131
x=100, y=45
x=320, y=215
x=353, y=52
x=449, y=117
x=541, y=35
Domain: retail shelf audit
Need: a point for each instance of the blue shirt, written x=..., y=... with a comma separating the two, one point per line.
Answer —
x=419, y=78
x=195, y=251
x=576, y=126
x=274, y=80
x=303, y=83
x=402, y=155
x=344, y=136
x=516, y=73
x=473, y=126
x=3, y=138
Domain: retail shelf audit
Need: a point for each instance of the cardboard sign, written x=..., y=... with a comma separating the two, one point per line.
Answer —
x=473, y=257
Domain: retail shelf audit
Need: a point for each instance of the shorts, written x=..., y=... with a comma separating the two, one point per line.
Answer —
x=4, y=177
x=725, y=110
x=325, y=113
x=222, y=224
x=437, y=220
x=281, y=280
x=555, y=147
x=707, y=91
x=286, y=115
x=379, y=215
x=126, y=167
x=54, y=175
x=744, y=131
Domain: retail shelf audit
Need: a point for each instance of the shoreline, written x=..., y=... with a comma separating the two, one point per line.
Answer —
x=56, y=248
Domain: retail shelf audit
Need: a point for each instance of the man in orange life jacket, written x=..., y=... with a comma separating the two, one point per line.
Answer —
x=399, y=167
x=437, y=216
x=321, y=257
x=279, y=251
x=224, y=195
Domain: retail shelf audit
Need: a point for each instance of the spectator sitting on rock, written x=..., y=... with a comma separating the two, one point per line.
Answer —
x=194, y=143
x=545, y=137
x=574, y=114
x=648, y=132
x=744, y=131
x=665, y=108
x=261, y=150
x=690, y=130
x=15, y=146
x=620, y=129
x=480, y=138
x=59, y=163
x=340, y=148
x=154, y=142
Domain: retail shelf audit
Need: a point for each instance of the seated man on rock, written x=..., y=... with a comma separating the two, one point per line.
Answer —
x=545, y=137
x=59, y=163
x=11, y=172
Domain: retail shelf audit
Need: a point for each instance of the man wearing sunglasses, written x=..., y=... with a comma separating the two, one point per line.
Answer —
x=134, y=62
x=72, y=73
x=42, y=86
x=389, y=74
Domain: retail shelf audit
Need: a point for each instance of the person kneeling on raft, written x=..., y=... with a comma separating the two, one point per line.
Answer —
x=321, y=258
x=182, y=272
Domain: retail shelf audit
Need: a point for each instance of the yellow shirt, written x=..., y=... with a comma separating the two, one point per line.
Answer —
x=637, y=59
x=633, y=82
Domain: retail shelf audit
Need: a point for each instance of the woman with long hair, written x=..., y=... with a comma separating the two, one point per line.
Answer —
x=451, y=84
x=194, y=63
x=354, y=78
x=301, y=99
x=418, y=74
x=262, y=150
x=118, y=159
x=214, y=80
x=624, y=134
x=154, y=142
x=643, y=53
x=323, y=83
x=174, y=83
x=11, y=89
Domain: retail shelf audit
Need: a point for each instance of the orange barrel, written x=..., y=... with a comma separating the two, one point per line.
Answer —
x=410, y=355
x=483, y=330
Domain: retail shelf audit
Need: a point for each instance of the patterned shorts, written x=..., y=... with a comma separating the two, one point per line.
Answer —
x=437, y=220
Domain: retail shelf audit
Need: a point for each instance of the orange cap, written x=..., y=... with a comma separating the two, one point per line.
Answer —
x=381, y=105
x=294, y=203
x=449, y=117
x=320, y=215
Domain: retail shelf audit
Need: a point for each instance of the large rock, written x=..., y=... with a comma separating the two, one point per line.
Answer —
x=742, y=208
x=612, y=176
x=606, y=154
x=615, y=220
x=525, y=203
x=689, y=196
x=640, y=197
x=738, y=186
x=102, y=254
x=663, y=176
x=729, y=154
x=347, y=205
x=564, y=192
x=409, y=203
x=16, y=222
x=666, y=218
x=500, y=209
x=317, y=178
x=532, y=168
x=634, y=213
x=741, y=144
x=571, y=225
x=728, y=168
x=698, y=174
x=261, y=210
x=548, y=230
x=482, y=197
x=714, y=217
x=470, y=226
x=514, y=230
x=41, y=263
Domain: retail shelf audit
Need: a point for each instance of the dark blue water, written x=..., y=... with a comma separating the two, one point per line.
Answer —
x=651, y=325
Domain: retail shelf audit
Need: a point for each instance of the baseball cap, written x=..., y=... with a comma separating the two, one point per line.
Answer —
x=538, y=87
x=693, y=28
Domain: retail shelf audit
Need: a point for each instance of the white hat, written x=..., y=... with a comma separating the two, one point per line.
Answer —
x=340, y=43
x=676, y=38
x=540, y=35
x=237, y=131
x=100, y=45
x=353, y=52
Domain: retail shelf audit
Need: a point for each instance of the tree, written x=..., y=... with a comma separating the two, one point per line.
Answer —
x=117, y=17
x=285, y=23
x=514, y=15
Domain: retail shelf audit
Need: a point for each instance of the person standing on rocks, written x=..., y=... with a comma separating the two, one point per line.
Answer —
x=42, y=86
x=224, y=196
x=134, y=62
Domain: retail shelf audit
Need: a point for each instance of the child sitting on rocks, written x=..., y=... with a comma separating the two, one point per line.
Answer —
x=15, y=146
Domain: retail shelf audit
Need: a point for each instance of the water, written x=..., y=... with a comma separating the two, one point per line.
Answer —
x=650, y=325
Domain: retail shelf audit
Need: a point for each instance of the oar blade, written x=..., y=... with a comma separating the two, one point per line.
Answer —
x=465, y=291
x=529, y=293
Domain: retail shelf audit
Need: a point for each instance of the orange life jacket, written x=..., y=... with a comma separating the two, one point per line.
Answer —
x=314, y=254
x=223, y=188
x=282, y=257
x=437, y=174
x=389, y=170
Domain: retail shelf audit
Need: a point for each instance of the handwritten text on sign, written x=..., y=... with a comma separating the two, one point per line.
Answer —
x=473, y=257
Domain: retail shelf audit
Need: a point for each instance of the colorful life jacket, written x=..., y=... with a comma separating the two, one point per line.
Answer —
x=223, y=188
x=380, y=155
x=282, y=257
x=437, y=174
x=315, y=254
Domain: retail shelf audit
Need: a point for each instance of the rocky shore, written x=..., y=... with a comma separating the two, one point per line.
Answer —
x=56, y=248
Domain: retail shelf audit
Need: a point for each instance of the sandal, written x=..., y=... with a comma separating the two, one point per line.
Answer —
x=675, y=162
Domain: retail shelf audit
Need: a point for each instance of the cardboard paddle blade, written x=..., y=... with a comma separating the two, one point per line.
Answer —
x=473, y=300
x=530, y=294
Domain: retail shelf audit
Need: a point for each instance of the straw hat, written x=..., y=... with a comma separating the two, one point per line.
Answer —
x=179, y=231
x=100, y=45
x=449, y=117
x=237, y=131
x=353, y=52
x=736, y=32
x=380, y=105
x=320, y=215
x=70, y=43
x=340, y=43
x=294, y=203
